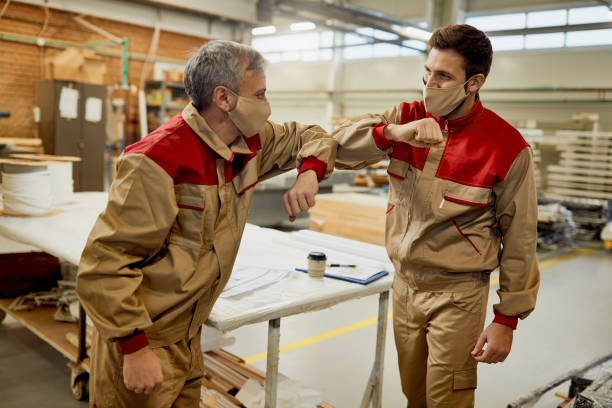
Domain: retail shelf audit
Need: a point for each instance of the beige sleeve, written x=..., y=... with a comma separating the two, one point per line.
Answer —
x=284, y=147
x=516, y=209
x=140, y=211
x=357, y=146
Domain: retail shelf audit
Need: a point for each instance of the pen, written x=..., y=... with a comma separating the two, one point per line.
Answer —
x=341, y=266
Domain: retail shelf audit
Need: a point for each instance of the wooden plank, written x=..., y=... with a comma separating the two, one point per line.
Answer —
x=588, y=133
x=578, y=193
x=578, y=185
x=585, y=164
x=40, y=322
x=586, y=156
x=571, y=170
x=240, y=367
x=23, y=141
x=356, y=221
x=45, y=157
x=206, y=383
x=19, y=162
x=582, y=179
x=221, y=371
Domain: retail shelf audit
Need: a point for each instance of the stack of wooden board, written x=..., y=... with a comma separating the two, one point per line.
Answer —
x=585, y=165
x=356, y=216
x=224, y=375
x=21, y=144
x=534, y=138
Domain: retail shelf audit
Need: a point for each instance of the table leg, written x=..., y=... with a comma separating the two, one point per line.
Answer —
x=272, y=362
x=372, y=396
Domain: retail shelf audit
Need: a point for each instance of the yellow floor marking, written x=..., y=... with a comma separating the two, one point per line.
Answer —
x=372, y=320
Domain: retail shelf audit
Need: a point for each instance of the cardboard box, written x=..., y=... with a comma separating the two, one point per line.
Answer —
x=174, y=75
x=78, y=65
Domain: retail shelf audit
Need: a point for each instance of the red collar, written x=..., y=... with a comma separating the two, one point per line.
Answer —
x=463, y=122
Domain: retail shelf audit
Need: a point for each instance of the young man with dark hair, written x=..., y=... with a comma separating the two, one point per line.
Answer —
x=462, y=202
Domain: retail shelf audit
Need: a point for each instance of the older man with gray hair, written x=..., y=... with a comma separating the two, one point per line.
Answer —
x=162, y=251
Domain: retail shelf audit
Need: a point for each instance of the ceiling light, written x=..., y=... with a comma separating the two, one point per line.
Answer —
x=263, y=30
x=303, y=26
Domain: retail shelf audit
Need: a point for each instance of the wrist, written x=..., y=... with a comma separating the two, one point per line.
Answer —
x=388, y=132
x=133, y=343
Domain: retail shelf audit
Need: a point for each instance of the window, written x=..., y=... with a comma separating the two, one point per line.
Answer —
x=589, y=37
x=359, y=51
x=354, y=39
x=272, y=57
x=552, y=40
x=498, y=22
x=507, y=42
x=420, y=45
x=326, y=38
x=384, y=35
x=383, y=50
x=585, y=15
x=326, y=55
x=548, y=18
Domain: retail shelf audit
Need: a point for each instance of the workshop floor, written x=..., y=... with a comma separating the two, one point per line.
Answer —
x=569, y=327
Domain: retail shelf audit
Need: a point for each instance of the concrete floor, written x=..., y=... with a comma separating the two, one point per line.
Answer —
x=569, y=327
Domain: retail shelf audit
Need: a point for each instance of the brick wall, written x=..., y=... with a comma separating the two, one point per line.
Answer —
x=20, y=64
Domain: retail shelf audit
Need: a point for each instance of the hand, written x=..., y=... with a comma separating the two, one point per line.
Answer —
x=499, y=342
x=420, y=133
x=301, y=196
x=142, y=371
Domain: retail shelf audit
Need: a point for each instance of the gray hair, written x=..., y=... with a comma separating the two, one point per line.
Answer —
x=218, y=63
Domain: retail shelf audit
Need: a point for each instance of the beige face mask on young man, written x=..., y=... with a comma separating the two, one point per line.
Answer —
x=249, y=115
x=442, y=101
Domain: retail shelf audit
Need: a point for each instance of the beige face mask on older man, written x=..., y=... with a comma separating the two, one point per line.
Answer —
x=442, y=101
x=249, y=115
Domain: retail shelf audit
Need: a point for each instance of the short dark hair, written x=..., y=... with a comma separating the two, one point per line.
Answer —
x=469, y=42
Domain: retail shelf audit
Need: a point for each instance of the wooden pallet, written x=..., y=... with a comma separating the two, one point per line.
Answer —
x=40, y=322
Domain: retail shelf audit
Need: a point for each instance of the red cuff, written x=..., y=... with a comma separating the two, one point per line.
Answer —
x=133, y=343
x=379, y=137
x=510, y=321
x=312, y=163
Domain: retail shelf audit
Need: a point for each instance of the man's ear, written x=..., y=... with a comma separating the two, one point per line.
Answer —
x=222, y=99
x=475, y=83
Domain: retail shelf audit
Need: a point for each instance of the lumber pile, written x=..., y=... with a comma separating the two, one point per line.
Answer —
x=356, y=216
x=21, y=144
x=585, y=166
x=534, y=138
x=224, y=375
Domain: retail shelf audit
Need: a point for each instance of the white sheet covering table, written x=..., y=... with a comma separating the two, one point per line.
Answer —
x=64, y=235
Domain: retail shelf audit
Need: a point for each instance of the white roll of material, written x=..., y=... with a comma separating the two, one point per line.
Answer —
x=62, y=185
x=27, y=193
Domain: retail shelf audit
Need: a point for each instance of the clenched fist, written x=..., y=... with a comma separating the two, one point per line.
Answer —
x=142, y=371
x=419, y=133
x=301, y=196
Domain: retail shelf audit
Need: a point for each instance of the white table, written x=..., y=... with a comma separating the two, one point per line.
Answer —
x=64, y=235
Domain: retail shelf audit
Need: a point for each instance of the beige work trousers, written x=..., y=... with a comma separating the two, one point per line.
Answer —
x=435, y=332
x=182, y=368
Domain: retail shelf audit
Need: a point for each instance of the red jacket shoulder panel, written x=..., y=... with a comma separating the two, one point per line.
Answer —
x=180, y=152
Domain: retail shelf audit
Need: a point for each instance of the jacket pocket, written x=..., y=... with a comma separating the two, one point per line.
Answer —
x=464, y=380
x=187, y=228
x=467, y=238
x=401, y=182
x=459, y=200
